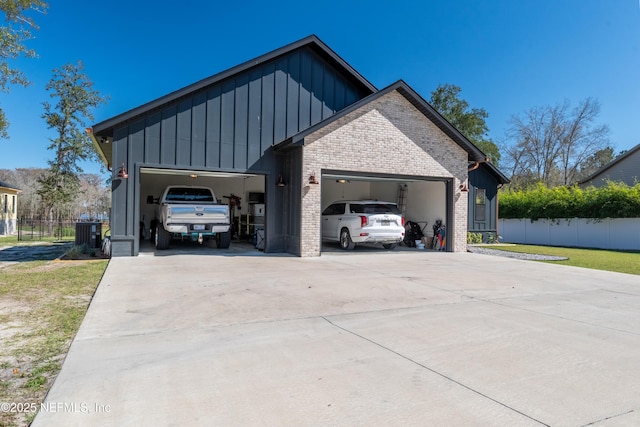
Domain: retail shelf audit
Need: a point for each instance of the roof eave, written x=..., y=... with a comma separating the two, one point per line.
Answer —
x=7, y=187
x=98, y=147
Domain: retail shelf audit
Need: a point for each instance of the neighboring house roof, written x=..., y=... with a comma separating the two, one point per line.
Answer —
x=9, y=187
x=405, y=90
x=602, y=173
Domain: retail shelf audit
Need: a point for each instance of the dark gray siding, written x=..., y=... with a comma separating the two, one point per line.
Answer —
x=232, y=126
x=482, y=178
x=292, y=165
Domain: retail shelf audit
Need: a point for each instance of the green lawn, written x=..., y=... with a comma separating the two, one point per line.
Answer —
x=622, y=262
x=42, y=304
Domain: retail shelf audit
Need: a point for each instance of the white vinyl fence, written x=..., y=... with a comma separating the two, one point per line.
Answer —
x=610, y=233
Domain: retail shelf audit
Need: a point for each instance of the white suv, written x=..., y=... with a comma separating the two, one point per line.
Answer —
x=364, y=221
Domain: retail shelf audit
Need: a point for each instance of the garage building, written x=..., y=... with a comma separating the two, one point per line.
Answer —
x=295, y=129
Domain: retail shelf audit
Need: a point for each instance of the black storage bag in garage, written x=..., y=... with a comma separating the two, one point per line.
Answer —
x=412, y=232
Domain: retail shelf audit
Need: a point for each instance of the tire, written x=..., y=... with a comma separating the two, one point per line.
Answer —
x=163, y=238
x=389, y=245
x=345, y=240
x=224, y=240
x=106, y=246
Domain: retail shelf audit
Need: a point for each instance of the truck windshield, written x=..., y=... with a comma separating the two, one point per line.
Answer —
x=189, y=195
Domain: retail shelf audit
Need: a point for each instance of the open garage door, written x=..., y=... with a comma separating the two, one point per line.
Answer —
x=248, y=213
x=422, y=200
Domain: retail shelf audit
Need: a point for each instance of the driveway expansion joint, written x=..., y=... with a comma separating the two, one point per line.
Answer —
x=440, y=374
x=609, y=418
x=555, y=316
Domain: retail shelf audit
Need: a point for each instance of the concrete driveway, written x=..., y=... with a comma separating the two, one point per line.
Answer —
x=358, y=339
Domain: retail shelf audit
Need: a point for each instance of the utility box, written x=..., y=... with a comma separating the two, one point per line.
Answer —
x=89, y=233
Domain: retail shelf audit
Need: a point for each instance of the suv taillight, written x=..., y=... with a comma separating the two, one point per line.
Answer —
x=363, y=221
x=403, y=221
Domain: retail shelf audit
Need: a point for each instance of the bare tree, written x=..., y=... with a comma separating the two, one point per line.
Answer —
x=581, y=139
x=92, y=199
x=552, y=142
x=26, y=179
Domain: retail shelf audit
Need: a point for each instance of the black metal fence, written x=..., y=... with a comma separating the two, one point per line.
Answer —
x=39, y=229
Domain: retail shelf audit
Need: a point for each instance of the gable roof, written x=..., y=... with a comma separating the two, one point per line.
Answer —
x=101, y=132
x=311, y=41
x=609, y=165
x=8, y=186
x=416, y=100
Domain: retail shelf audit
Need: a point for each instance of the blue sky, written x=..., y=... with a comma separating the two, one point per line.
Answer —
x=506, y=55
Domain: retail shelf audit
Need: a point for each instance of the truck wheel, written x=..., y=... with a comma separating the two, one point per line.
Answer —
x=163, y=237
x=224, y=240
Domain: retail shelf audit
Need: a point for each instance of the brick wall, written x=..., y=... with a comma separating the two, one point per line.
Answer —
x=388, y=135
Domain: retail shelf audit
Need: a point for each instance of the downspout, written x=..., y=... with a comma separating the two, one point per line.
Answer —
x=497, y=208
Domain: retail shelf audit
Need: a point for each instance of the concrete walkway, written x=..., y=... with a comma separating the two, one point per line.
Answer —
x=352, y=339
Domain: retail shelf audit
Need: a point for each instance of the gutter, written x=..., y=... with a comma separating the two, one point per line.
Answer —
x=476, y=165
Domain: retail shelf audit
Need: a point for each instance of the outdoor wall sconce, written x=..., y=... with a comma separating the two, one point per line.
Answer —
x=463, y=187
x=313, y=180
x=281, y=182
x=122, y=172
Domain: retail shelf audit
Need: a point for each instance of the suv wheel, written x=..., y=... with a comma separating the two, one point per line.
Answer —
x=389, y=245
x=345, y=240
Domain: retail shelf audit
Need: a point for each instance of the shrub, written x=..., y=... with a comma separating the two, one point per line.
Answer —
x=76, y=252
x=474, y=238
x=615, y=200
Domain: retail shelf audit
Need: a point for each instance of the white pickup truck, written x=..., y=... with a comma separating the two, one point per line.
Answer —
x=194, y=213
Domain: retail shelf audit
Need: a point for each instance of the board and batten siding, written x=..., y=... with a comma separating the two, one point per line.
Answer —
x=229, y=126
x=481, y=178
x=232, y=124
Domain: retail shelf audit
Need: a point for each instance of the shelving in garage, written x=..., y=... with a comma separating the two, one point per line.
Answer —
x=153, y=181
